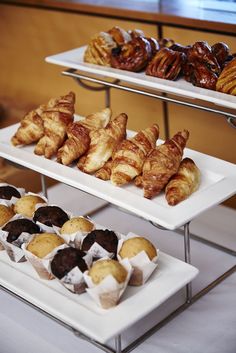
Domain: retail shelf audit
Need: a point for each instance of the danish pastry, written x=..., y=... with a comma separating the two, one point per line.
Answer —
x=226, y=82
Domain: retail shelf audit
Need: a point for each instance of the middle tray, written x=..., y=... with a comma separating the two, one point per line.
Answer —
x=218, y=183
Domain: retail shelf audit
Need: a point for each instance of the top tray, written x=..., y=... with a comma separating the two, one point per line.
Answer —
x=74, y=59
x=218, y=183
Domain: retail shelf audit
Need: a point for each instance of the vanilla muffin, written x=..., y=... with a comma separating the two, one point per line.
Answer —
x=26, y=205
x=42, y=244
x=77, y=224
x=133, y=246
x=104, y=268
x=6, y=213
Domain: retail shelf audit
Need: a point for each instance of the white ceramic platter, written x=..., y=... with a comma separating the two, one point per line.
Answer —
x=74, y=59
x=218, y=182
x=80, y=312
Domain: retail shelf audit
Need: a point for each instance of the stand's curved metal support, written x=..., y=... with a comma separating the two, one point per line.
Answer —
x=228, y=116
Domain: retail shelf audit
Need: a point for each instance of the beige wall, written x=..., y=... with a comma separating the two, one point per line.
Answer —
x=29, y=35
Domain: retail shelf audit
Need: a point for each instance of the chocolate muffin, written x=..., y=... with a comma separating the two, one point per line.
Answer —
x=106, y=238
x=7, y=192
x=50, y=215
x=18, y=226
x=65, y=260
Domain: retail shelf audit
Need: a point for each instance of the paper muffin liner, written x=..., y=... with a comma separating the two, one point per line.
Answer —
x=74, y=239
x=41, y=266
x=13, y=200
x=50, y=229
x=142, y=266
x=108, y=292
x=74, y=280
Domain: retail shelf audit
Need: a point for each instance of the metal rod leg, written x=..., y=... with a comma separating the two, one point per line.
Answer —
x=187, y=259
x=118, y=344
x=44, y=186
x=108, y=97
x=166, y=118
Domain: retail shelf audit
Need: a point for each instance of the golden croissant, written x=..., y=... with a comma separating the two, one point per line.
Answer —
x=183, y=183
x=78, y=134
x=104, y=173
x=162, y=163
x=103, y=143
x=57, y=116
x=128, y=159
x=31, y=128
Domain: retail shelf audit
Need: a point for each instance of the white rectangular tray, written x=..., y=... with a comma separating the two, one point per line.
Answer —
x=218, y=183
x=74, y=59
x=80, y=312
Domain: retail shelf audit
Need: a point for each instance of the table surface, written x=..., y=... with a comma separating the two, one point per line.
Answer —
x=183, y=13
x=35, y=332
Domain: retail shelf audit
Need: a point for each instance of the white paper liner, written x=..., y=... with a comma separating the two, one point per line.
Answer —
x=108, y=292
x=13, y=200
x=74, y=280
x=142, y=266
x=74, y=239
x=41, y=266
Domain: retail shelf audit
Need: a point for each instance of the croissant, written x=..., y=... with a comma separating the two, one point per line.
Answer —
x=227, y=80
x=183, y=183
x=31, y=128
x=104, y=173
x=57, y=116
x=127, y=161
x=103, y=143
x=78, y=136
x=162, y=163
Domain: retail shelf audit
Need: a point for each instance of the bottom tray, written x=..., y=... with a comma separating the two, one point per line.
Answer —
x=80, y=312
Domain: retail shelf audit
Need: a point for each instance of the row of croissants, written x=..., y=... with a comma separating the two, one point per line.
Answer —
x=211, y=67
x=99, y=145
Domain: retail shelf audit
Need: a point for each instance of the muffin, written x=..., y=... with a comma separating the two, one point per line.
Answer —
x=26, y=205
x=107, y=239
x=18, y=226
x=103, y=268
x=50, y=215
x=8, y=191
x=65, y=260
x=6, y=213
x=133, y=246
x=77, y=224
x=42, y=244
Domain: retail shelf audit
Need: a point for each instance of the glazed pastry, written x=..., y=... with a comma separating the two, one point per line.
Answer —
x=221, y=52
x=50, y=215
x=132, y=56
x=227, y=80
x=65, y=260
x=104, y=173
x=78, y=136
x=133, y=246
x=6, y=213
x=183, y=183
x=162, y=163
x=119, y=35
x=57, y=116
x=31, y=128
x=181, y=48
x=103, y=268
x=8, y=191
x=18, y=226
x=200, y=75
x=128, y=159
x=154, y=45
x=166, y=64
x=136, y=33
x=165, y=42
x=202, y=53
x=26, y=205
x=99, y=49
x=103, y=143
x=42, y=244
